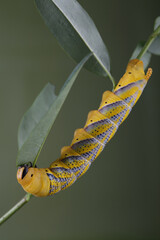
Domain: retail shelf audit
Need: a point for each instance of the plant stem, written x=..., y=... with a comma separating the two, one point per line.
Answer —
x=151, y=38
x=16, y=207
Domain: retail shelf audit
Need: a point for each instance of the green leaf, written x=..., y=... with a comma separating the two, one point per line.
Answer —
x=35, y=113
x=157, y=23
x=76, y=32
x=155, y=46
x=39, y=129
x=146, y=57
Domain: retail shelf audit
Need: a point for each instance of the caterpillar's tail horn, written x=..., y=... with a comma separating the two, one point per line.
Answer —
x=148, y=74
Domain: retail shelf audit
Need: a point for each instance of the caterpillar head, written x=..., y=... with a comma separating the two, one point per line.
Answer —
x=33, y=180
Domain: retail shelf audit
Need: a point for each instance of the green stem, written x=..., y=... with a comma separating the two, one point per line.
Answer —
x=16, y=207
x=149, y=42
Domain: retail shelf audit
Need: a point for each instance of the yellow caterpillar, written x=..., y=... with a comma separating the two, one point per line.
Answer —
x=88, y=142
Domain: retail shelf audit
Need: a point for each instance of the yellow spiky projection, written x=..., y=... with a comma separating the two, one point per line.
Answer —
x=88, y=142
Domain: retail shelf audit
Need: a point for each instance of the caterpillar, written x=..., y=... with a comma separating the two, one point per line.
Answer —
x=88, y=142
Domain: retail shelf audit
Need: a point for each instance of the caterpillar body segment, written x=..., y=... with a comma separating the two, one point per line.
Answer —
x=88, y=142
x=100, y=127
x=86, y=145
x=114, y=108
x=74, y=161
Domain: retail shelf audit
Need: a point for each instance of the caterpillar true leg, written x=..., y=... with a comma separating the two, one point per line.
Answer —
x=88, y=142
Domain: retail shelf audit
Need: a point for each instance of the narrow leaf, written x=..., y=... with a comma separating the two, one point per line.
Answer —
x=155, y=46
x=35, y=113
x=32, y=146
x=76, y=32
x=157, y=23
x=146, y=57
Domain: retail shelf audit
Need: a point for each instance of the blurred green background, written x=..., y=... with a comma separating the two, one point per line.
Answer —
x=119, y=197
